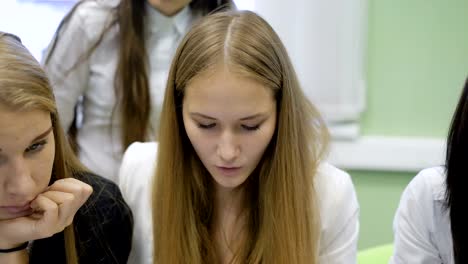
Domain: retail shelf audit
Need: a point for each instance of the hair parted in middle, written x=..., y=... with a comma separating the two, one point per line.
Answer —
x=283, y=220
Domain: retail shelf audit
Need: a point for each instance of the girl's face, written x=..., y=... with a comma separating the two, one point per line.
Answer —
x=169, y=7
x=27, y=151
x=230, y=121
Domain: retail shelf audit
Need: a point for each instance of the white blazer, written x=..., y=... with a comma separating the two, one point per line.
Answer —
x=338, y=205
x=422, y=225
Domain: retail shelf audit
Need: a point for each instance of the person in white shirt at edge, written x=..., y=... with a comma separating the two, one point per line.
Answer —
x=108, y=64
x=430, y=224
x=239, y=177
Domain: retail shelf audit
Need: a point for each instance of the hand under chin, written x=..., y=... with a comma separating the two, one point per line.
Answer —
x=10, y=216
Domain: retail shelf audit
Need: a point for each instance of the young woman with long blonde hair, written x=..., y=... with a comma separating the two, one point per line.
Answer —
x=238, y=171
x=52, y=210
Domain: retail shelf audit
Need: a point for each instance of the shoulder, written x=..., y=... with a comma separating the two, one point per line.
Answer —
x=421, y=195
x=137, y=169
x=91, y=16
x=428, y=185
x=139, y=152
x=421, y=225
x=334, y=189
x=104, y=224
x=422, y=202
x=106, y=194
x=135, y=177
x=327, y=174
x=140, y=159
x=339, y=214
x=89, y=8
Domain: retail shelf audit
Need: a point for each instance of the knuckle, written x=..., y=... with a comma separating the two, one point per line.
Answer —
x=53, y=207
x=69, y=221
x=68, y=197
x=85, y=190
x=88, y=189
x=61, y=229
x=80, y=191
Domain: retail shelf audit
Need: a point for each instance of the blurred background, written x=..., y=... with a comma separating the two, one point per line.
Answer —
x=385, y=74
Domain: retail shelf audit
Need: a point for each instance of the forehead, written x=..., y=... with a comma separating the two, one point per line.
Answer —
x=22, y=125
x=222, y=90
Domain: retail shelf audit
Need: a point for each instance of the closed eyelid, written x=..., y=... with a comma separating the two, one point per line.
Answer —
x=40, y=144
x=255, y=122
x=204, y=121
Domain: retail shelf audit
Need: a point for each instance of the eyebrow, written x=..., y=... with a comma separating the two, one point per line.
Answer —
x=42, y=135
x=242, y=119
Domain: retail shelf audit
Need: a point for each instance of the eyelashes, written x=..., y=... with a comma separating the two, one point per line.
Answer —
x=208, y=126
x=212, y=125
x=36, y=147
x=30, y=151
x=251, y=128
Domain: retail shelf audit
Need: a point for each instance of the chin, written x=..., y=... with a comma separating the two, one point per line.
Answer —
x=229, y=183
x=229, y=179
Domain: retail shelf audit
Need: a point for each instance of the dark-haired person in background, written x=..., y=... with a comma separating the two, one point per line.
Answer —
x=431, y=223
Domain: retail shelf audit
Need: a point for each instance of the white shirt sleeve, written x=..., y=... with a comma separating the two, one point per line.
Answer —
x=339, y=210
x=71, y=45
x=412, y=225
x=135, y=181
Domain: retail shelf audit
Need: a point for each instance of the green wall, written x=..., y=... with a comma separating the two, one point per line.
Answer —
x=378, y=195
x=417, y=62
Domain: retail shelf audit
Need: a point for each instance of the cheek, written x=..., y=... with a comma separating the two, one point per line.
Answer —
x=189, y=128
x=42, y=175
x=194, y=135
x=261, y=141
x=42, y=169
x=200, y=143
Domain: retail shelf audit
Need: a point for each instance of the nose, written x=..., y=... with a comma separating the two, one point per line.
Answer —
x=228, y=149
x=19, y=181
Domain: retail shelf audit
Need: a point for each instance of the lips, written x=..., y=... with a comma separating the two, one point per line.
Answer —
x=15, y=210
x=228, y=171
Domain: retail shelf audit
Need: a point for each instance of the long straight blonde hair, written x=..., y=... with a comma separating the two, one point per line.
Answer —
x=25, y=86
x=283, y=219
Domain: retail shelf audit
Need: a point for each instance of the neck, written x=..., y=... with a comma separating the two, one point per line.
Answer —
x=17, y=257
x=167, y=10
x=227, y=200
x=228, y=222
